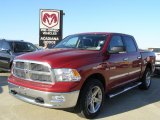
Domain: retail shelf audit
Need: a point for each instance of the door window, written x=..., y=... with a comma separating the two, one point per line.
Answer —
x=116, y=41
x=1, y=42
x=6, y=46
x=24, y=47
x=130, y=44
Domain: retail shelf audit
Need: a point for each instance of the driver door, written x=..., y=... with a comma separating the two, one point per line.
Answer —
x=117, y=63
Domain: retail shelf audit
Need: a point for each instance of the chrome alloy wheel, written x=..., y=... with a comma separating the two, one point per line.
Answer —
x=94, y=100
x=148, y=78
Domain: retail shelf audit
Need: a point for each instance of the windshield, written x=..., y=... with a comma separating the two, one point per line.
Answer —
x=83, y=41
x=24, y=47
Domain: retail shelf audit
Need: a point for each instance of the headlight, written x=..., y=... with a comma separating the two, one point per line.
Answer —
x=65, y=74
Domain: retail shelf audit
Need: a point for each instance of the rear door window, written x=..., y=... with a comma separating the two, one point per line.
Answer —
x=129, y=44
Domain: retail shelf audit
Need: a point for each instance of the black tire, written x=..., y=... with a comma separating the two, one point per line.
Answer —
x=91, y=99
x=146, y=80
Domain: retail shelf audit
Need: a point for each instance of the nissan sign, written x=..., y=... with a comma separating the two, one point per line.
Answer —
x=50, y=32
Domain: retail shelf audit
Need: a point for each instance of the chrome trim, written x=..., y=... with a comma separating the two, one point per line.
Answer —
x=139, y=57
x=31, y=71
x=125, y=59
x=125, y=74
x=30, y=95
x=135, y=71
x=39, y=73
x=118, y=76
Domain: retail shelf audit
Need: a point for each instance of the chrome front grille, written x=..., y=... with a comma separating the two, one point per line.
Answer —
x=20, y=65
x=19, y=73
x=38, y=67
x=32, y=71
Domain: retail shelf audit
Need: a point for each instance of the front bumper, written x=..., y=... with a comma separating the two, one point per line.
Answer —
x=45, y=99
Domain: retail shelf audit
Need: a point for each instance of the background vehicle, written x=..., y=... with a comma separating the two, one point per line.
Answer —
x=9, y=49
x=80, y=71
x=157, y=63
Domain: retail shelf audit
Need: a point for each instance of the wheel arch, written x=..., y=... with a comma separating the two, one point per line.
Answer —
x=97, y=76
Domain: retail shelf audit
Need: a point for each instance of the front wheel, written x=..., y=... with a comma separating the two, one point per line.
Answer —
x=91, y=99
x=146, y=80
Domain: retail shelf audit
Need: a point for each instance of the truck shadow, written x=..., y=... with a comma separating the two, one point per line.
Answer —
x=3, y=82
x=132, y=100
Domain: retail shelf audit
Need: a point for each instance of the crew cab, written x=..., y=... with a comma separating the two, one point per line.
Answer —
x=80, y=71
x=9, y=49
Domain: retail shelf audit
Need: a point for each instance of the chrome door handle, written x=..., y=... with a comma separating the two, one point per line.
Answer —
x=139, y=57
x=125, y=59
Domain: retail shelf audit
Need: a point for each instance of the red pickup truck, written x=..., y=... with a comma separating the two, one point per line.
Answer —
x=80, y=71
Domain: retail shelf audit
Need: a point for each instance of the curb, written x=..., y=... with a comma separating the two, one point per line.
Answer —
x=5, y=74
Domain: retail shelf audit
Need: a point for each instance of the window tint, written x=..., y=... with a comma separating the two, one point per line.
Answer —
x=129, y=44
x=6, y=46
x=116, y=41
x=24, y=47
x=1, y=42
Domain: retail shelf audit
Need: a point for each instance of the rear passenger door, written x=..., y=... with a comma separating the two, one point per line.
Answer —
x=134, y=57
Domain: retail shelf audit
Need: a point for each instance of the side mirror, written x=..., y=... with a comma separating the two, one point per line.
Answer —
x=117, y=49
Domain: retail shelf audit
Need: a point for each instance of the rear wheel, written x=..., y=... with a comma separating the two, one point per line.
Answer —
x=146, y=80
x=91, y=99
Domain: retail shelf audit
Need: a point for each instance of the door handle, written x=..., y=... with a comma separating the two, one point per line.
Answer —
x=125, y=59
x=139, y=57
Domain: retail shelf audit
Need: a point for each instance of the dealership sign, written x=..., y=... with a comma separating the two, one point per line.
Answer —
x=50, y=31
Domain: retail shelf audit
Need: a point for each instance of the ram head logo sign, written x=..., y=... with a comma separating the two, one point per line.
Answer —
x=50, y=19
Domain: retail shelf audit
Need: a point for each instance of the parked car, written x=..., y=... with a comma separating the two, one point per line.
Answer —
x=157, y=63
x=80, y=71
x=9, y=49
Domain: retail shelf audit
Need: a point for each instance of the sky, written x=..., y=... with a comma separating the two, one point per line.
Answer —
x=19, y=19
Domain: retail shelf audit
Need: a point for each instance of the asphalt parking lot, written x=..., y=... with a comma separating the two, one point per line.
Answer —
x=132, y=105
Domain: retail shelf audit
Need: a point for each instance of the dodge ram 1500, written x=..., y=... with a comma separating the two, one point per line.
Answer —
x=80, y=71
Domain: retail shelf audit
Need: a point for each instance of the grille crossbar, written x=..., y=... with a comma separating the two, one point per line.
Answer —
x=32, y=71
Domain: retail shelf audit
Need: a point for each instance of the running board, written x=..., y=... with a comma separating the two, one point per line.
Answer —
x=125, y=90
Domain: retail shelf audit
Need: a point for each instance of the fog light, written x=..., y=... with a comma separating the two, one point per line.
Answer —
x=58, y=98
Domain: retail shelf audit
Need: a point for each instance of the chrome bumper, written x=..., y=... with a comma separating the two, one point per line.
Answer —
x=45, y=99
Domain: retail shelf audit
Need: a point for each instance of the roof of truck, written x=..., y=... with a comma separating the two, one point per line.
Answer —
x=107, y=33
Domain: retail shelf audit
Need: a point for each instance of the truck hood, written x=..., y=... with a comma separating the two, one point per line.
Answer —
x=68, y=58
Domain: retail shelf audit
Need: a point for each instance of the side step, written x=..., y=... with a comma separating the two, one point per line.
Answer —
x=124, y=90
